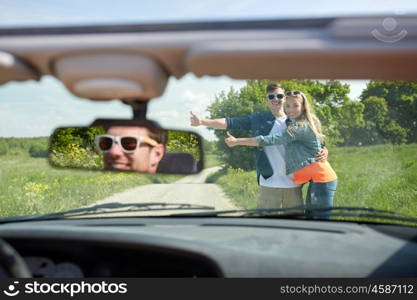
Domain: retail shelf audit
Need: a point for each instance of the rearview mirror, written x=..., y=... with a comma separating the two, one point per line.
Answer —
x=126, y=146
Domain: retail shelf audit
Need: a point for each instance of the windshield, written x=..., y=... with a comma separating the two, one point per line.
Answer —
x=270, y=154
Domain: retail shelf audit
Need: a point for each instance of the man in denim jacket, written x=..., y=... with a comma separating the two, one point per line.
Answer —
x=276, y=188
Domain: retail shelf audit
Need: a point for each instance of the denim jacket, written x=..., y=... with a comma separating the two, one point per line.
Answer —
x=301, y=145
x=259, y=124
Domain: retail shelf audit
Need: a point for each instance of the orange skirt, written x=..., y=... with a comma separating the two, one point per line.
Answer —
x=318, y=172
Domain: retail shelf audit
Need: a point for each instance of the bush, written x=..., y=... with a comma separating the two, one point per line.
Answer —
x=179, y=141
x=38, y=151
x=4, y=148
x=35, y=147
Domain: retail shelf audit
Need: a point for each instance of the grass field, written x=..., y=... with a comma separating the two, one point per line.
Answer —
x=382, y=176
x=30, y=186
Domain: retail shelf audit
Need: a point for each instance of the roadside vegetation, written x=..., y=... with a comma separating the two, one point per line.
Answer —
x=33, y=147
x=29, y=185
x=381, y=176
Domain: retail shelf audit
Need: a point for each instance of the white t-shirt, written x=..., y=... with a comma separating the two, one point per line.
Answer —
x=276, y=157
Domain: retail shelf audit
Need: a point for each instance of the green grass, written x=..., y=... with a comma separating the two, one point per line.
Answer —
x=239, y=186
x=30, y=186
x=383, y=177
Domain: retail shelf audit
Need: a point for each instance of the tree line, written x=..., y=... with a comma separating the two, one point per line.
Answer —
x=34, y=147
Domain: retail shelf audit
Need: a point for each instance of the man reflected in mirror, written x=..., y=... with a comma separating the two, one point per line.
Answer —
x=132, y=148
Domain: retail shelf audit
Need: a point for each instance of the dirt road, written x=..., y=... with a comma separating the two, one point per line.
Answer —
x=190, y=189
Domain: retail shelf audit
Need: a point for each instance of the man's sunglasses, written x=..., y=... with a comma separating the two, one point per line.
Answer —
x=275, y=96
x=128, y=144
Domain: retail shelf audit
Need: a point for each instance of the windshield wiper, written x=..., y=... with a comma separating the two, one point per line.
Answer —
x=108, y=208
x=297, y=210
x=306, y=213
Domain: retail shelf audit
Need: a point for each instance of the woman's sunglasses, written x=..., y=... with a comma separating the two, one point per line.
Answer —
x=275, y=96
x=128, y=144
x=293, y=93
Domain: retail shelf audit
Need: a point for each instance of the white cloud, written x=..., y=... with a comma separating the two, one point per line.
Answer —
x=16, y=124
x=196, y=102
x=356, y=87
x=181, y=121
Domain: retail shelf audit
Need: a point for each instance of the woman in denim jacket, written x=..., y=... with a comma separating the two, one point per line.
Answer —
x=302, y=140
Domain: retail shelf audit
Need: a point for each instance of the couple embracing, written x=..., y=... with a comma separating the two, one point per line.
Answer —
x=289, y=150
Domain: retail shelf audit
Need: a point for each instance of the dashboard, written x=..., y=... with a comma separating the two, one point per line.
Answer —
x=63, y=259
x=212, y=247
x=47, y=268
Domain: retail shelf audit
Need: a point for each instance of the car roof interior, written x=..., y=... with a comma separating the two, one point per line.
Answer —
x=134, y=62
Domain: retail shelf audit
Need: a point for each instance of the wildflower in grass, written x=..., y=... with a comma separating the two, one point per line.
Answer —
x=35, y=189
x=34, y=193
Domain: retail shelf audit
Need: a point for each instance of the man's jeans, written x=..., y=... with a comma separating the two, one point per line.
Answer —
x=320, y=195
x=280, y=197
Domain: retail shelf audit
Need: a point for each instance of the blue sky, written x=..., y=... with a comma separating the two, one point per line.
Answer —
x=35, y=109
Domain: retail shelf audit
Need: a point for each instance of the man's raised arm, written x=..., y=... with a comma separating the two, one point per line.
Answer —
x=212, y=123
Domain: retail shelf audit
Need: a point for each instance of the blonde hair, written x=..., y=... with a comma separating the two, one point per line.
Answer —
x=308, y=115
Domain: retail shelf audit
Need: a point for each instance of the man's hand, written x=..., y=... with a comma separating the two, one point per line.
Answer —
x=231, y=141
x=210, y=123
x=194, y=120
x=321, y=156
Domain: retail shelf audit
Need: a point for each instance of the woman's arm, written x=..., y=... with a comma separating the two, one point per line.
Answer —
x=287, y=137
x=267, y=140
x=231, y=141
